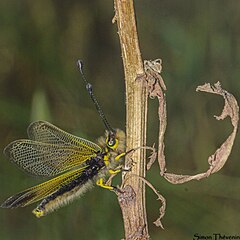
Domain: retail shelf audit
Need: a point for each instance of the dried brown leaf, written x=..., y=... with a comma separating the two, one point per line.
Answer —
x=156, y=88
x=218, y=159
x=152, y=157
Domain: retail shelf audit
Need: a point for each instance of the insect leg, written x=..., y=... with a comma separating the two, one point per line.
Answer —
x=113, y=172
x=119, y=156
x=107, y=185
x=100, y=183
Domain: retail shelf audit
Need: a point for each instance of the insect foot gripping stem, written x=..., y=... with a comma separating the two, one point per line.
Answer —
x=103, y=185
x=111, y=188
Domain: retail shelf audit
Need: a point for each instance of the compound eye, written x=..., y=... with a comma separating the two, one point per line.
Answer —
x=111, y=142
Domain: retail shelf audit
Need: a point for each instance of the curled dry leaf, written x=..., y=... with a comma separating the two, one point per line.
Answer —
x=152, y=157
x=162, y=209
x=218, y=159
x=156, y=88
x=123, y=199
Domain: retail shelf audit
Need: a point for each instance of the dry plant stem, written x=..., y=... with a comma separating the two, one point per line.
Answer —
x=133, y=210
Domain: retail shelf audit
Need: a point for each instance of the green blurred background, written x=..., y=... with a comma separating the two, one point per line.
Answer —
x=198, y=42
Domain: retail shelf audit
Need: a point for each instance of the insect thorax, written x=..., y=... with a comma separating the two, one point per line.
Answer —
x=111, y=153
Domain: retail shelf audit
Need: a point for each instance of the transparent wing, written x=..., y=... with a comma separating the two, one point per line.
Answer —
x=42, y=190
x=45, y=132
x=44, y=159
x=50, y=150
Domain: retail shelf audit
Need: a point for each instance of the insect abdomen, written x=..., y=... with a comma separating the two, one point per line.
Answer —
x=70, y=191
x=58, y=199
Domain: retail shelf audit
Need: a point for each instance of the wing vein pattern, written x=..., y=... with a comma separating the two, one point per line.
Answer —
x=49, y=150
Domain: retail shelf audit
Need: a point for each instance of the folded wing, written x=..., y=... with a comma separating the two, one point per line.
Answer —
x=42, y=190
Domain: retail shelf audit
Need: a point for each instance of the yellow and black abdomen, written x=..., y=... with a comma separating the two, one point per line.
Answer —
x=75, y=188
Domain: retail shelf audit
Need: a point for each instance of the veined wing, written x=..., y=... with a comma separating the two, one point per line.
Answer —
x=45, y=159
x=43, y=131
x=42, y=190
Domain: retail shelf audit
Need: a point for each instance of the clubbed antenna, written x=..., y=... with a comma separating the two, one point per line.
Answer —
x=90, y=91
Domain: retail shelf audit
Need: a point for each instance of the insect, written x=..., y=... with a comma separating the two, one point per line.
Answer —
x=75, y=162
